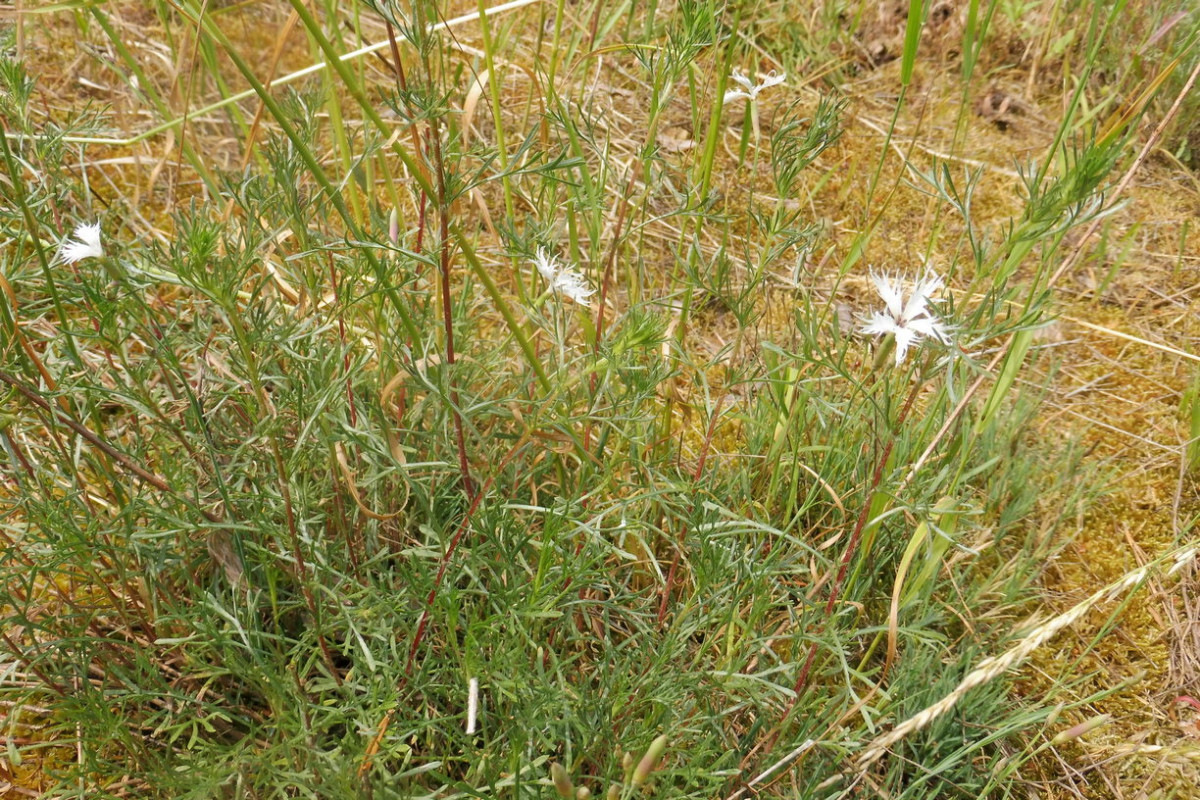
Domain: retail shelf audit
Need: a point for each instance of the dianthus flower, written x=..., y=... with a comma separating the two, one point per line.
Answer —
x=750, y=89
x=562, y=279
x=86, y=244
x=908, y=321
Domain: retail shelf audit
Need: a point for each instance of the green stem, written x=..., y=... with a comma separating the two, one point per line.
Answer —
x=22, y=200
x=381, y=273
x=502, y=306
x=360, y=97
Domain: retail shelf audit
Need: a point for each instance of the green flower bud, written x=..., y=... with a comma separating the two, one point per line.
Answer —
x=650, y=760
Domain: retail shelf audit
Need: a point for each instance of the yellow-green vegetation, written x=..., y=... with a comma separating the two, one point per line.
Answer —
x=599, y=399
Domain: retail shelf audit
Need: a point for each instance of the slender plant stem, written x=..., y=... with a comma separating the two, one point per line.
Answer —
x=18, y=188
x=848, y=554
x=444, y=260
x=423, y=622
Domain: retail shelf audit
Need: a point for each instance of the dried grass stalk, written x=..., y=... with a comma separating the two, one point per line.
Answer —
x=994, y=666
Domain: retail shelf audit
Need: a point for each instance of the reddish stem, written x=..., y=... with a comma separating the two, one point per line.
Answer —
x=835, y=591
x=448, y=309
x=669, y=588
x=342, y=337
x=1183, y=698
x=402, y=84
x=445, y=562
x=851, y=548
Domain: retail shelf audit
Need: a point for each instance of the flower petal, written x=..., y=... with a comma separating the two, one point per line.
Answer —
x=879, y=324
x=905, y=339
x=771, y=79
x=574, y=287
x=86, y=244
x=929, y=328
x=890, y=294
x=918, y=302
x=547, y=265
x=928, y=285
x=740, y=77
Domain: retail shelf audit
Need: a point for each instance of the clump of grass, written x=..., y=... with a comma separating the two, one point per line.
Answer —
x=330, y=485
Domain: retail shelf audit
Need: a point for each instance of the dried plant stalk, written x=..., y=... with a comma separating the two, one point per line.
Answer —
x=994, y=666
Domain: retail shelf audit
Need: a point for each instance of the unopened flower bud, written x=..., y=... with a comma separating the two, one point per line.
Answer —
x=650, y=760
x=1075, y=731
x=562, y=781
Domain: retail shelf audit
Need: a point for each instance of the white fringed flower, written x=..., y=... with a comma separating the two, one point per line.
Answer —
x=547, y=265
x=86, y=244
x=562, y=279
x=908, y=321
x=750, y=89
